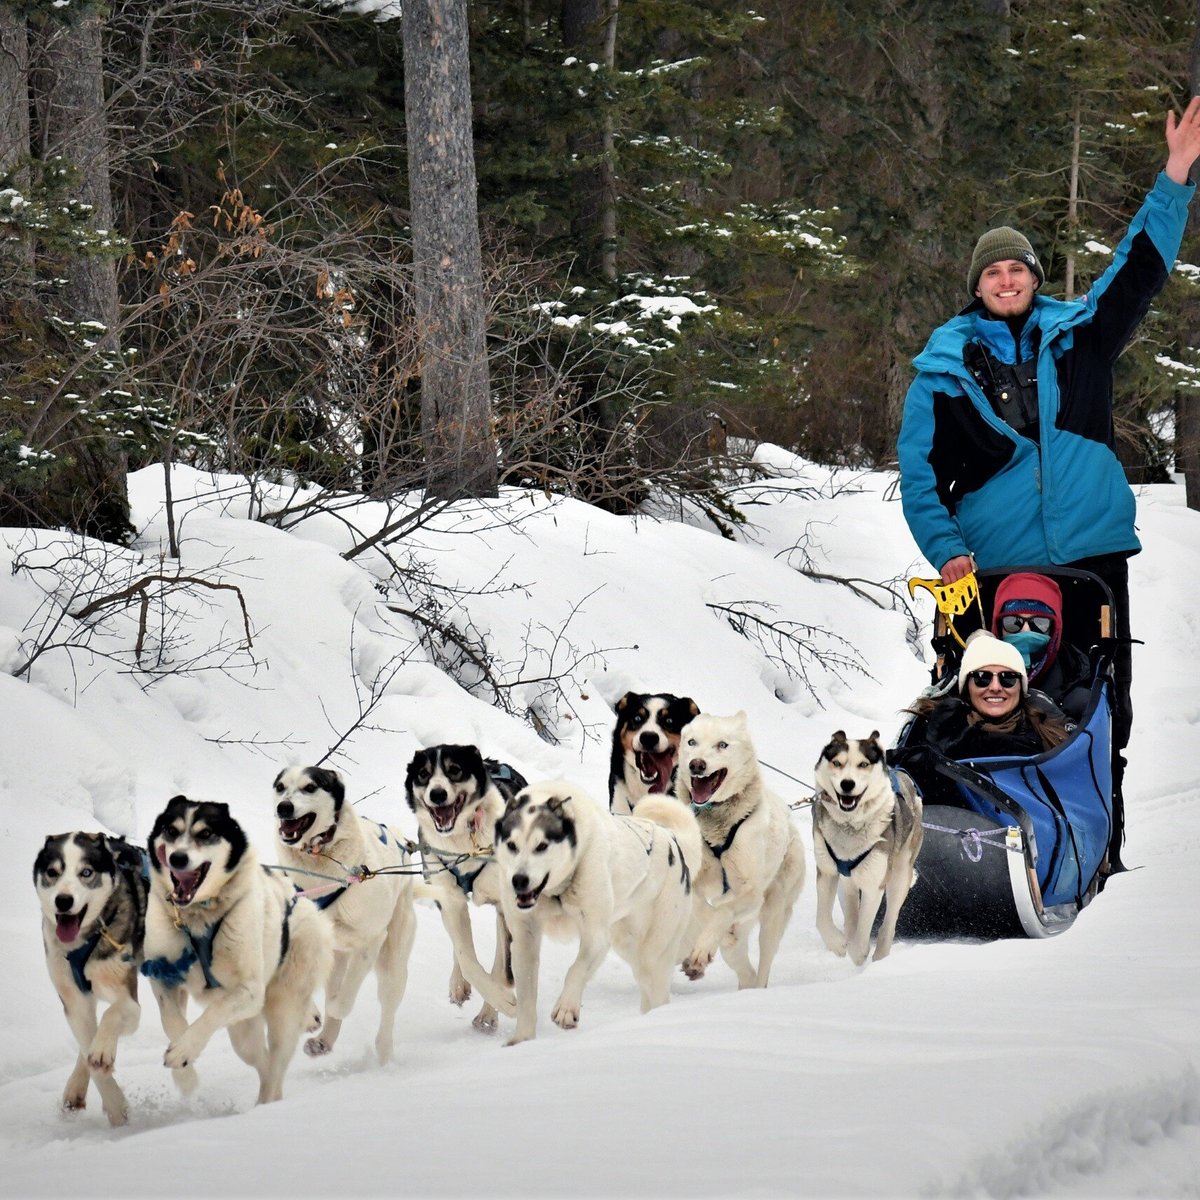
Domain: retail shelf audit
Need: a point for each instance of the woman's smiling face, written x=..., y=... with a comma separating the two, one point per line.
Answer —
x=994, y=700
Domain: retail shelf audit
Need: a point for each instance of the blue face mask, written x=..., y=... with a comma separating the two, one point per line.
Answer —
x=1031, y=645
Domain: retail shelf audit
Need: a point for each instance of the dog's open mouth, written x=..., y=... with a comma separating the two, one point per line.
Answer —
x=655, y=769
x=530, y=898
x=293, y=829
x=444, y=815
x=847, y=803
x=704, y=787
x=187, y=884
x=68, y=925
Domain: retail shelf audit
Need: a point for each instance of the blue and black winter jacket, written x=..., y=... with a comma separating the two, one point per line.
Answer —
x=969, y=483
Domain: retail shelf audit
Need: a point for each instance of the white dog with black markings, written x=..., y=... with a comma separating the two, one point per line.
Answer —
x=93, y=897
x=867, y=834
x=753, y=864
x=458, y=796
x=570, y=869
x=374, y=922
x=225, y=932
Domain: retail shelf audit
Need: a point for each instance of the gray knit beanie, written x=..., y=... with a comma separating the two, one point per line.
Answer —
x=998, y=245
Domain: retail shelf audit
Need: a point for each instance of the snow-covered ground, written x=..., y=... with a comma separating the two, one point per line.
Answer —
x=1059, y=1067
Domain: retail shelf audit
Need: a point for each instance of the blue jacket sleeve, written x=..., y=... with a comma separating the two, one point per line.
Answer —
x=933, y=527
x=1122, y=295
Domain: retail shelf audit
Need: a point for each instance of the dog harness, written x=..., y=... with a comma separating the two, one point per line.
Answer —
x=846, y=865
x=78, y=958
x=464, y=879
x=172, y=972
x=719, y=851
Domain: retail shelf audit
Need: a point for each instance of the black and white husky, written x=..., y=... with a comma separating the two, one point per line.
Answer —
x=570, y=869
x=374, y=923
x=645, y=747
x=867, y=833
x=753, y=856
x=458, y=796
x=92, y=891
x=224, y=931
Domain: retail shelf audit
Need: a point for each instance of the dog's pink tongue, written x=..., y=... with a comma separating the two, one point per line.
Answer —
x=67, y=927
x=663, y=765
x=703, y=787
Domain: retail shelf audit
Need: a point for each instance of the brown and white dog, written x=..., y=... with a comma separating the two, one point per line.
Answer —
x=645, y=747
x=93, y=896
x=457, y=797
x=373, y=921
x=222, y=930
x=867, y=834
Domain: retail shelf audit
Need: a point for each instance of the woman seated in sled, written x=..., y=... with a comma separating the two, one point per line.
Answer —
x=994, y=713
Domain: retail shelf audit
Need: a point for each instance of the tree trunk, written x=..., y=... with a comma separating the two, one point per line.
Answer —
x=91, y=491
x=14, y=111
x=456, y=422
x=1073, y=204
x=590, y=33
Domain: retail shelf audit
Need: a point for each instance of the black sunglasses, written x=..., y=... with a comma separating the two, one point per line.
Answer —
x=1008, y=679
x=1013, y=622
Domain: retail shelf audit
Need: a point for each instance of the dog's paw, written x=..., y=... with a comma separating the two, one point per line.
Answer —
x=102, y=1057
x=460, y=991
x=117, y=1113
x=74, y=1100
x=565, y=1015
x=696, y=964
x=315, y=1047
x=181, y=1054
x=858, y=954
x=518, y=1038
x=836, y=943
x=485, y=1020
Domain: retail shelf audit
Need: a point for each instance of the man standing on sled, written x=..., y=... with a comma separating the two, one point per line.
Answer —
x=1006, y=446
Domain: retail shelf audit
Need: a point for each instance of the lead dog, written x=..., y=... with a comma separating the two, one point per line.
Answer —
x=753, y=865
x=570, y=869
x=93, y=898
x=645, y=747
x=373, y=921
x=458, y=796
x=222, y=930
x=867, y=833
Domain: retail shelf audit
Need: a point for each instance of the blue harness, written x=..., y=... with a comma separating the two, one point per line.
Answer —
x=464, y=879
x=171, y=972
x=719, y=851
x=78, y=958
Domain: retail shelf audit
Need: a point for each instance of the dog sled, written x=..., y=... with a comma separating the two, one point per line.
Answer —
x=1014, y=846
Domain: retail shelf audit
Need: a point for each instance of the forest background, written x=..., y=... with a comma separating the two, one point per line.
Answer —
x=702, y=226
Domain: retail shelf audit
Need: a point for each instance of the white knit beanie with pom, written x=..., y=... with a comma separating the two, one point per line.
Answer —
x=983, y=650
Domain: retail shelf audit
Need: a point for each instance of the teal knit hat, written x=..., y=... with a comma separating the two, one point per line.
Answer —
x=999, y=245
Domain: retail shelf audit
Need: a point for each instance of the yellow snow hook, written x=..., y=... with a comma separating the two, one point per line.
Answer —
x=952, y=599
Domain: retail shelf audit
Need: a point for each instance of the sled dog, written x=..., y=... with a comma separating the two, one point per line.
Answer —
x=93, y=897
x=223, y=930
x=570, y=869
x=867, y=833
x=458, y=796
x=645, y=746
x=374, y=922
x=753, y=865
